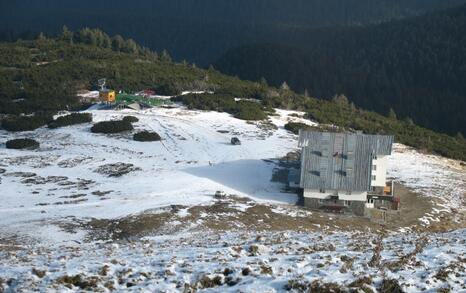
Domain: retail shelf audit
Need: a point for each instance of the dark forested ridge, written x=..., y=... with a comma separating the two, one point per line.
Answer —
x=201, y=31
x=415, y=66
x=366, y=49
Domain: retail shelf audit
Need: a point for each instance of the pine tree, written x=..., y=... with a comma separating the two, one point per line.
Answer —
x=341, y=100
x=130, y=46
x=41, y=37
x=409, y=121
x=87, y=36
x=106, y=41
x=165, y=57
x=306, y=93
x=263, y=81
x=116, y=74
x=66, y=35
x=117, y=43
x=285, y=86
x=460, y=137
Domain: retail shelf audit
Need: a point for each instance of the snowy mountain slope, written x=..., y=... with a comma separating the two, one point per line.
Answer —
x=176, y=171
x=246, y=262
x=194, y=160
x=49, y=195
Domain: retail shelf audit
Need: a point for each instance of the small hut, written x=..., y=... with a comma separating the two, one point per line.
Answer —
x=107, y=96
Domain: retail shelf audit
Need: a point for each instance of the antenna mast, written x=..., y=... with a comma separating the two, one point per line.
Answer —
x=102, y=83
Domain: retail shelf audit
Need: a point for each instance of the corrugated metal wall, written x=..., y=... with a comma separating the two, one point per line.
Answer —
x=340, y=161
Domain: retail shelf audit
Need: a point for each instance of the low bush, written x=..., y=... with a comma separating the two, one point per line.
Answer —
x=147, y=136
x=390, y=286
x=71, y=119
x=247, y=110
x=130, y=119
x=296, y=126
x=112, y=126
x=207, y=282
x=361, y=282
x=22, y=143
x=24, y=123
x=211, y=102
x=167, y=89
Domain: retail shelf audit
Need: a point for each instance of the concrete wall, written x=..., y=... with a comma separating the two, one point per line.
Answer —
x=358, y=208
x=356, y=196
x=355, y=207
x=310, y=193
x=312, y=203
x=342, y=195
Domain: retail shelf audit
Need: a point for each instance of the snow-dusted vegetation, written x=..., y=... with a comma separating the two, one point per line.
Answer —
x=247, y=262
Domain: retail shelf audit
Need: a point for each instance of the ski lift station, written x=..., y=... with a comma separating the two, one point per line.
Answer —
x=144, y=99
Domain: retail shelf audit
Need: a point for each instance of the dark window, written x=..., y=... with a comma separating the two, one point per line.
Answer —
x=341, y=172
x=316, y=173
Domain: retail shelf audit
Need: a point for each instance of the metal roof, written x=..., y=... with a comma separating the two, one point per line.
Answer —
x=340, y=161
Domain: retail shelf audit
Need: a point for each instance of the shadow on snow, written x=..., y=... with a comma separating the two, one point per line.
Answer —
x=252, y=178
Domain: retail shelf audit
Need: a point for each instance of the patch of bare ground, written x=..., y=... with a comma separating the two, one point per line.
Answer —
x=414, y=207
x=10, y=243
x=229, y=214
x=232, y=213
x=132, y=226
x=222, y=216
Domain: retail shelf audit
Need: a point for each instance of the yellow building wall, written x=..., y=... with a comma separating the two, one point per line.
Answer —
x=108, y=97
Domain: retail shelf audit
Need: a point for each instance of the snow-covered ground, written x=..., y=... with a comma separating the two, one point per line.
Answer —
x=244, y=262
x=194, y=160
x=60, y=183
x=435, y=177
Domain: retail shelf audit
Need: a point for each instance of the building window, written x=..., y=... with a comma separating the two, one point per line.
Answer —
x=322, y=190
x=347, y=203
x=374, y=167
x=374, y=177
x=321, y=201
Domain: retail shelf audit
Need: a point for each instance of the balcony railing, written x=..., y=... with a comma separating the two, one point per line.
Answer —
x=387, y=190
